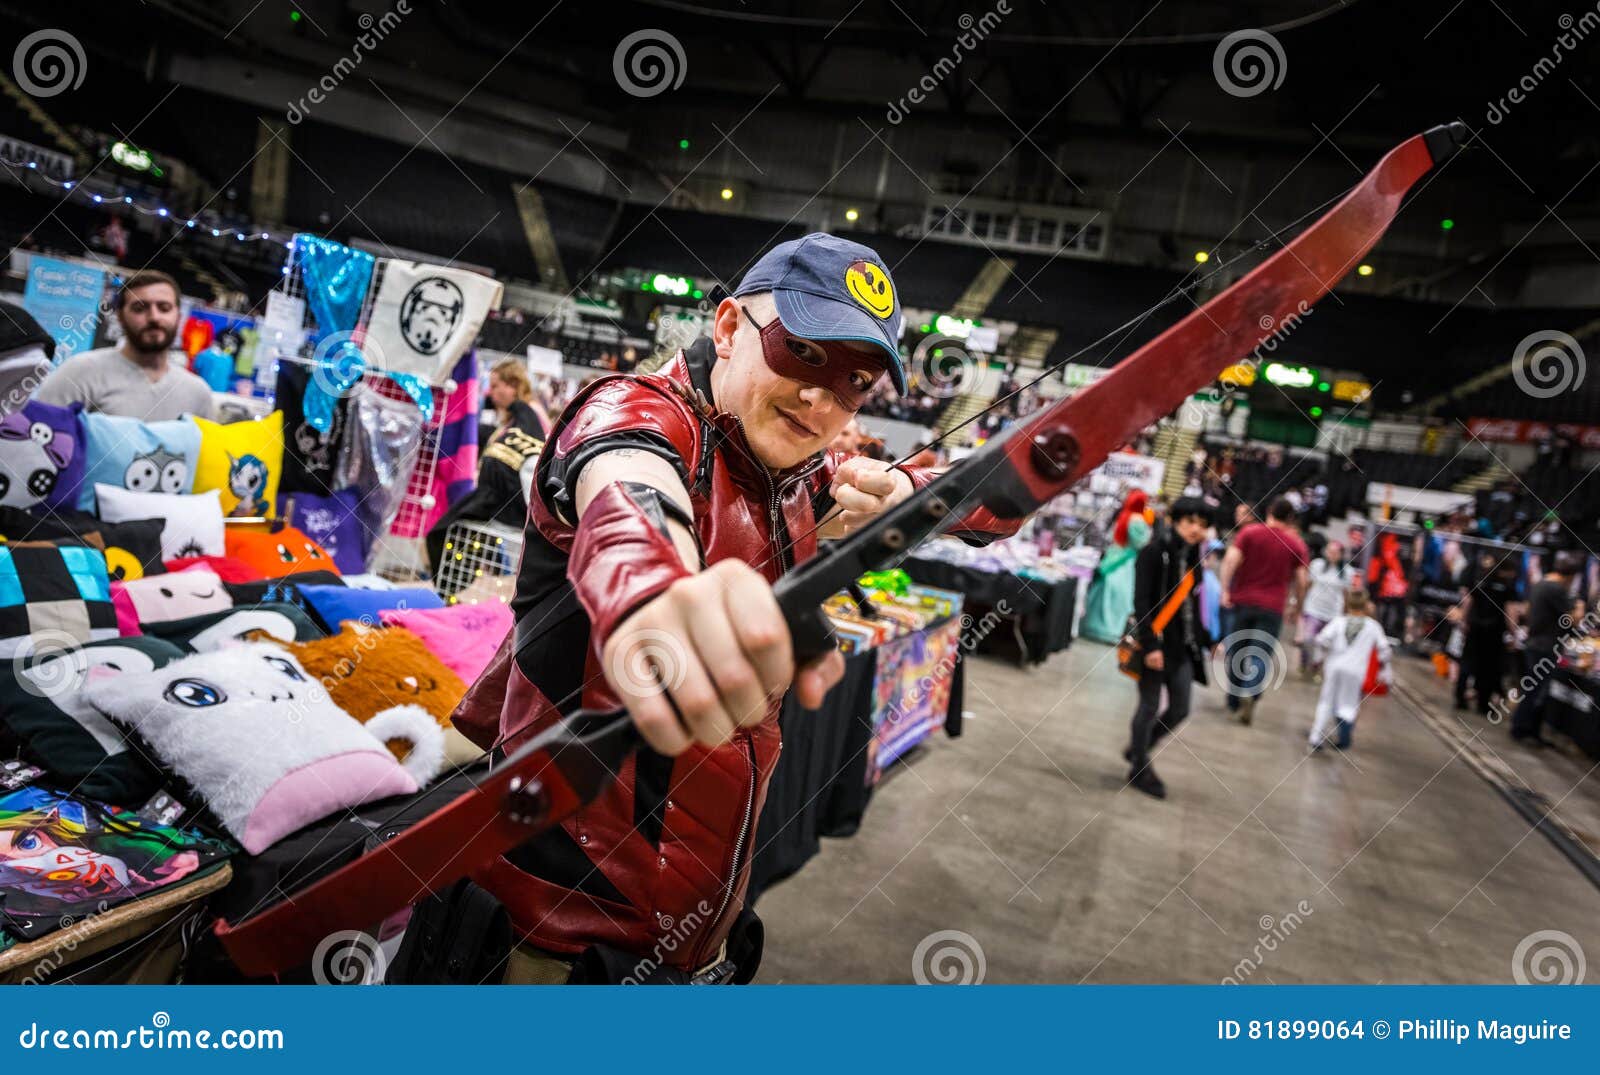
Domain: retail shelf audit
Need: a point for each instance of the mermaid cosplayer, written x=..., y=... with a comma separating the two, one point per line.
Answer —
x=1110, y=600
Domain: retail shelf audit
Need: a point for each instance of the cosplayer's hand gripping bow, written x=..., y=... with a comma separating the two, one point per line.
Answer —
x=546, y=780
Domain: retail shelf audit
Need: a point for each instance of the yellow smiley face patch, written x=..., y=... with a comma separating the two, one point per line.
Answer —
x=869, y=285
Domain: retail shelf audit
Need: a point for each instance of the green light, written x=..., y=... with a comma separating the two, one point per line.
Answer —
x=683, y=143
x=1427, y=524
x=294, y=16
x=927, y=328
x=697, y=293
x=1316, y=412
x=1446, y=224
x=1324, y=386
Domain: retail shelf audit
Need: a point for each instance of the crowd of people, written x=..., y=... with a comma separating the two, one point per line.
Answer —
x=1181, y=592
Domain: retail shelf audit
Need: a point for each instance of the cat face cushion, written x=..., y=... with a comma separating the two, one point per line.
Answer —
x=193, y=524
x=144, y=457
x=175, y=595
x=285, y=551
x=261, y=741
x=41, y=456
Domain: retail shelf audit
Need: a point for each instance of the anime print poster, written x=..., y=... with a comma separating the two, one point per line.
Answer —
x=68, y=858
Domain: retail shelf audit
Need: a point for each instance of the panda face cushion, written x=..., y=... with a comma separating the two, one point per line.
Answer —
x=260, y=740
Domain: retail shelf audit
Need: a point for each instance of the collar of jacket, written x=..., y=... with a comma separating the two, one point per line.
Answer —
x=690, y=375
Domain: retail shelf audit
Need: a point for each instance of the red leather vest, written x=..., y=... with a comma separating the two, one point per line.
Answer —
x=681, y=894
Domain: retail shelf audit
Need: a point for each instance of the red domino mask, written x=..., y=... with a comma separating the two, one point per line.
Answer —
x=827, y=364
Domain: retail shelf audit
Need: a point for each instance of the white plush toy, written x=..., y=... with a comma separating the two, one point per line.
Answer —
x=263, y=743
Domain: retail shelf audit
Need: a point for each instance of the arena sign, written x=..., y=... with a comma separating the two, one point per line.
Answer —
x=16, y=152
x=1517, y=431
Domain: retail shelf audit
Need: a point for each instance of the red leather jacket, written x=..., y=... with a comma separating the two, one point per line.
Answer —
x=659, y=864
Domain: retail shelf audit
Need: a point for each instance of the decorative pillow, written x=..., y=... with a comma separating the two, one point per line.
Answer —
x=227, y=568
x=45, y=714
x=53, y=596
x=193, y=523
x=242, y=461
x=335, y=604
x=176, y=595
x=340, y=523
x=75, y=858
x=465, y=637
x=133, y=548
x=283, y=591
x=368, y=670
x=369, y=582
x=144, y=457
x=41, y=456
x=217, y=630
x=261, y=741
x=285, y=551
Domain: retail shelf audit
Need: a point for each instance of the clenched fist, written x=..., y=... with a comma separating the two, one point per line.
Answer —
x=713, y=649
x=863, y=489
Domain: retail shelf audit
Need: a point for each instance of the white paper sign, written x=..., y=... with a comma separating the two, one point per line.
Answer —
x=544, y=360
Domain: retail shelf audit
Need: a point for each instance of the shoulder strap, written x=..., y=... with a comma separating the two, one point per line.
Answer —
x=1173, y=603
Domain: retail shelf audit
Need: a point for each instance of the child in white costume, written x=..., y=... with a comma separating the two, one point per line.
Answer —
x=1347, y=644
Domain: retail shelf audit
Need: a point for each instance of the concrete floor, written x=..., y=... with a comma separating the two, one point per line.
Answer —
x=1392, y=863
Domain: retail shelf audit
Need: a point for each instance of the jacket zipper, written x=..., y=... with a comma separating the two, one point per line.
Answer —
x=774, y=511
x=739, y=844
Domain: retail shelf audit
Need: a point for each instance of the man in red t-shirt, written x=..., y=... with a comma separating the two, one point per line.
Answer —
x=1258, y=571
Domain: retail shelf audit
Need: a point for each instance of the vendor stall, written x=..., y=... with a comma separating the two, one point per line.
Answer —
x=1033, y=597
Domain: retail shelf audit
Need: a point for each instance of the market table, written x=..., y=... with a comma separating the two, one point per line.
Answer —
x=1040, y=612
x=823, y=782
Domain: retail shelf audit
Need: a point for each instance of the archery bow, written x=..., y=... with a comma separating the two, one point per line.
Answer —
x=543, y=782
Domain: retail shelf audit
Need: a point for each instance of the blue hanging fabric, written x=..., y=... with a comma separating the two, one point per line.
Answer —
x=336, y=282
x=419, y=391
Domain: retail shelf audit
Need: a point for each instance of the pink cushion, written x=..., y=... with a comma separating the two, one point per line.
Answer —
x=464, y=637
x=320, y=788
x=175, y=595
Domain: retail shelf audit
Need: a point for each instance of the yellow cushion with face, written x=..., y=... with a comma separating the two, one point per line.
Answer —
x=242, y=461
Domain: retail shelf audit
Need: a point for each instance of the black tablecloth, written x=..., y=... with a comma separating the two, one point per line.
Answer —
x=1573, y=707
x=820, y=785
x=1041, y=612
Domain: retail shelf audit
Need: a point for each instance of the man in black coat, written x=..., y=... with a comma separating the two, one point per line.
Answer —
x=1174, y=655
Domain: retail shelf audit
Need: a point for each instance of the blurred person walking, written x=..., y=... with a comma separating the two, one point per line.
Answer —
x=1551, y=614
x=1169, y=634
x=1330, y=578
x=1347, y=645
x=1266, y=561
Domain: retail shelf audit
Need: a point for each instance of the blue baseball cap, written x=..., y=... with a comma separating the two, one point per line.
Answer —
x=828, y=288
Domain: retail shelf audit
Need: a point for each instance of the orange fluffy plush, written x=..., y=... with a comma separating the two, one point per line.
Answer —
x=369, y=670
